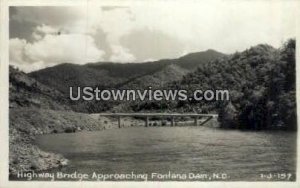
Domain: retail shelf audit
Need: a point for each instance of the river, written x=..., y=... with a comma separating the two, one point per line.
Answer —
x=208, y=152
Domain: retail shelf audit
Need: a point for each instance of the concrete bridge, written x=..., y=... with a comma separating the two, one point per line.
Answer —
x=170, y=115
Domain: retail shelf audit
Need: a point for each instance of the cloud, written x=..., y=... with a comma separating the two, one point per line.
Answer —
x=16, y=50
x=17, y=56
x=136, y=32
x=121, y=54
x=52, y=49
x=184, y=27
x=79, y=37
x=64, y=48
x=43, y=30
x=115, y=23
x=46, y=29
x=55, y=16
x=157, y=45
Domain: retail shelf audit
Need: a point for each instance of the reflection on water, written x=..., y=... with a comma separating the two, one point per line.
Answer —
x=242, y=155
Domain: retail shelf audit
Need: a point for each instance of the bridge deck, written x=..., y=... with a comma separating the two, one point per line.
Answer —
x=158, y=114
x=172, y=115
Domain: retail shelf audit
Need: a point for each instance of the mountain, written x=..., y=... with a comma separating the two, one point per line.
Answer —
x=174, y=71
x=104, y=75
x=111, y=75
x=168, y=74
x=25, y=91
x=193, y=60
x=261, y=84
x=64, y=75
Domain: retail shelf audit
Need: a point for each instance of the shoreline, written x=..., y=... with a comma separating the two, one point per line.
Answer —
x=27, y=123
x=26, y=156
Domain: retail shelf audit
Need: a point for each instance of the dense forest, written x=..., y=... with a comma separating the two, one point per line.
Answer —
x=107, y=75
x=261, y=81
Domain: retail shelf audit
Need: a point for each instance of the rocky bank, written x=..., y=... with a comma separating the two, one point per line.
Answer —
x=26, y=123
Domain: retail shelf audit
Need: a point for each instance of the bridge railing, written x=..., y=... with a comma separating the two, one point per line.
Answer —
x=171, y=115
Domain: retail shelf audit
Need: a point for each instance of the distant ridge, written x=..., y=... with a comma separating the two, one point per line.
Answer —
x=192, y=60
x=108, y=74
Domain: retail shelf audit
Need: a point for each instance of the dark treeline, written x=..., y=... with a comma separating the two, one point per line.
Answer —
x=261, y=82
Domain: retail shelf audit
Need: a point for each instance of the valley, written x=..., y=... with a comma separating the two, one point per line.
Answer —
x=261, y=81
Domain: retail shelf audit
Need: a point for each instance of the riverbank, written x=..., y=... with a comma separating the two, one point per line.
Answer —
x=27, y=123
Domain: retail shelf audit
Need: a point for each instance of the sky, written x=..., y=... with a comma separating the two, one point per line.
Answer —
x=46, y=36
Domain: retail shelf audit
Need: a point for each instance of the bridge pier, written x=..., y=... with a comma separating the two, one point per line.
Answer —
x=119, y=121
x=196, y=121
x=147, y=121
x=172, y=121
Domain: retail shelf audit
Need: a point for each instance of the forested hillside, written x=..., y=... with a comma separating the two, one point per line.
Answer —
x=115, y=75
x=261, y=82
x=25, y=91
x=119, y=76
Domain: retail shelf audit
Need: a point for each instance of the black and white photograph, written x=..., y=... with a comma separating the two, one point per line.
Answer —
x=168, y=91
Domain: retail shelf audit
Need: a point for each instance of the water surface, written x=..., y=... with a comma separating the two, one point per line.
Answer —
x=242, y=155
